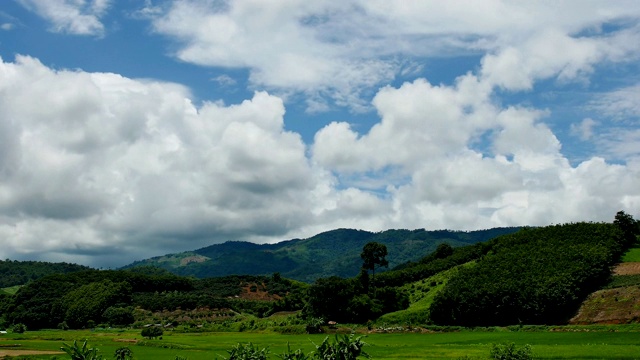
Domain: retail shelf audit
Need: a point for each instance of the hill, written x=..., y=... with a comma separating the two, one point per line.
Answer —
x=534, y=276
x=13, y=272
x=332, y=253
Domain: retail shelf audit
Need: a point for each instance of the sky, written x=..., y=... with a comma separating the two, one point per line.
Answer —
x=131, y=129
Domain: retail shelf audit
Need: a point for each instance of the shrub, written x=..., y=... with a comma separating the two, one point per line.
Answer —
x=314, y=325
x=247, y=352
x=81, y=352
x=509, y=351
x=293, y=355
x=19, y=328
x=123, y=353
x=343, y=348
x=152, y=332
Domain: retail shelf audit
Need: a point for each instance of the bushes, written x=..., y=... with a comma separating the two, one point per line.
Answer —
x=83, y=352
x=247, y=352
x=152, y=332
x=509, y=351
x=345, y=347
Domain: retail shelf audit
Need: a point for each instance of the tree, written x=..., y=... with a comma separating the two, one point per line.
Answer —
x=629, y=227
x=374, y=256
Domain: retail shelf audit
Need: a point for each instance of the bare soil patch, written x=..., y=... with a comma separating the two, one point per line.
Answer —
x=629, y=268
x=611, y=306
x=254, y=291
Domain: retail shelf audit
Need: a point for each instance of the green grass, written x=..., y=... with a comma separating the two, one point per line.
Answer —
x=421, y=295
x=619, y=342
x=12, y=289
x=633, y=255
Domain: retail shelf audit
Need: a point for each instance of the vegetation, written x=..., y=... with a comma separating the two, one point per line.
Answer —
x=536, y=276
x=13, y=272
x=247, y=352
x=152, y=332
x=337, y=251
x=123, y=353
x=81, y=352
x=509, y=351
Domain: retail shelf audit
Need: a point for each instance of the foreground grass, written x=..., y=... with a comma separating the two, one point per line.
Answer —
x=620, y=342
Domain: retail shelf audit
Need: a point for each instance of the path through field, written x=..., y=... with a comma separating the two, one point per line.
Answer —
x=627, y=268
x=4, y=353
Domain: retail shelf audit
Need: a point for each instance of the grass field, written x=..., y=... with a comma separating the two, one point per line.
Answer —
x=584, y=343
x=11, y=290
x=633, y=255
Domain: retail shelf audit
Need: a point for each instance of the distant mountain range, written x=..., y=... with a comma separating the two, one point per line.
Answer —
x=335, y=252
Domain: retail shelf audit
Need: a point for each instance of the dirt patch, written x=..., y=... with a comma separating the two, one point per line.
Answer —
x=628, y=268
x=27, y=352
x=130, y=341
x=611, y=306
x=254, y=291
x=193, y=259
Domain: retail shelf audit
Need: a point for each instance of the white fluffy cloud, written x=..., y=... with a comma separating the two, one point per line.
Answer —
x=433, y=135
x=78, y=17
x=98, y=160
x=104, y=169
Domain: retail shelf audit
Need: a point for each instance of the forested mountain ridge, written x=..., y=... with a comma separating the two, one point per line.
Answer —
x=533, y=276
x=332, y=253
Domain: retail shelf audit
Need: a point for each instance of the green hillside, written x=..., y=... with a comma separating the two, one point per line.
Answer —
x=332, y=253
x=535, y=276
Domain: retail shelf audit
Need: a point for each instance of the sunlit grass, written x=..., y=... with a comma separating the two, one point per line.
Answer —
x=617, y=342
x=633, y=255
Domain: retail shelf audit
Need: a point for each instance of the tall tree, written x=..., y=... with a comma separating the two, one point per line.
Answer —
x=374, y=256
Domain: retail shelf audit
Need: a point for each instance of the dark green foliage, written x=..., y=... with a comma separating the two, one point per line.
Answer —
x=536, y=276
x=46, y=302
x=630, y=228
x=18, y=328
x=83, y=352
x=510, y=351
x=293, y=355
x=247, y=352
x=374, y=256
x=123, y=353
x=89, y=302
x=314, y=325
x=152, y=332
x=21, y=272
x=118, y=316
x=345, y=300
x=344, y=347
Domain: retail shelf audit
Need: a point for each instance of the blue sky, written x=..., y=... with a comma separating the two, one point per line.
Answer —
x=130, y=129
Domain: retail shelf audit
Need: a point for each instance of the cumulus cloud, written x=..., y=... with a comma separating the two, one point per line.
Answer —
x=105, y=161
x=129, y=168
x=77, y=17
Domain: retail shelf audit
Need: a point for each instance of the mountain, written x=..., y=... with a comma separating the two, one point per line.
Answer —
x=335, y=252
